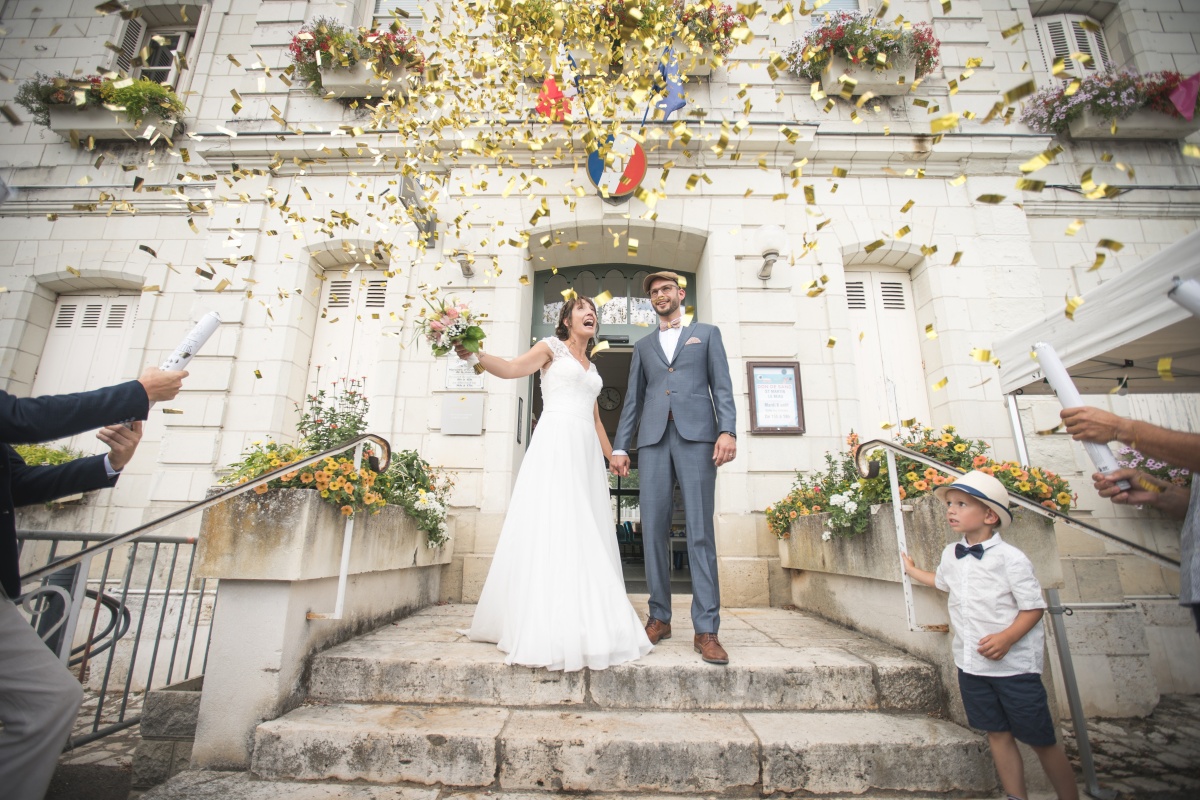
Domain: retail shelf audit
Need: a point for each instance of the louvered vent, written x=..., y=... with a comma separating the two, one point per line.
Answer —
x=116, y=316
x=892, y=294
x=91, y=316
x=856, y=295
x=66, y=315
x=339, y=294
x=376, y=293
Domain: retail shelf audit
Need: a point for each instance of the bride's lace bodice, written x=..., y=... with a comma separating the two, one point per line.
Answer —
x=565, y=385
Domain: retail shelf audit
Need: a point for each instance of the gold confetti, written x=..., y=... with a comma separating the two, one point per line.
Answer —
x=599, y=299
x=937, y=387
x=153, y=288
x=1191, y=150
x=10, y=115
x=886, y=426
x=1029, y=185
x=523, y=280
x=222, y=285
x=73, y=271
x=1073, y=304
x=1143, y=483
x=945, y=6
x=930, y=333
x=1122, y=384
x=1099, y=262
x=810, y=196
x=1008, y=33
x=148, y=249
x=1074, y=227
x=944, y=123
x=1049, y=431
x=990, y=199
x=600, y=347
x=957, y=257
x=981, y=355
x=632, y=249
x=1164, y=368
x=1110, y=244
x=568, y=295
x=905, y=231
x=832, y=341
x=838, y=172
x=1020, y=90
x=873, y=246
x=1041, y=160
x=958, y=180
x=233, y=60
x=907, y=206
x=172, y=411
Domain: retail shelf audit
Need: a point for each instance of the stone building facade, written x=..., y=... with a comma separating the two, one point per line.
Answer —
x=292, y=233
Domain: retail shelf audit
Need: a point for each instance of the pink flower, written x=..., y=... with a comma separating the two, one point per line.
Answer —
x=437, y=326
x=452, y=312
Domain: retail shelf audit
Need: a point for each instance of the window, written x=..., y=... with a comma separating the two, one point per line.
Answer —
x=383, y=16
x=887, y=352
x=154, y=44
x=1063, y=34
x=834, y=6
x=86, y=348
x=349, y=336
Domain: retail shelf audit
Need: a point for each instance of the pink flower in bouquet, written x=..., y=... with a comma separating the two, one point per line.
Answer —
x=452, y=312
x=436, y=325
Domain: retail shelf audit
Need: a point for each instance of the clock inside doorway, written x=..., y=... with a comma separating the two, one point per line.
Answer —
x=610, y=398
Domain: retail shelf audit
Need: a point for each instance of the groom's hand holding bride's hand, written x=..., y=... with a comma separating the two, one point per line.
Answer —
x=725, y=449
x=619, y=466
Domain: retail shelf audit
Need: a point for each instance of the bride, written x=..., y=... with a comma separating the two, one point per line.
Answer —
x=554, y=596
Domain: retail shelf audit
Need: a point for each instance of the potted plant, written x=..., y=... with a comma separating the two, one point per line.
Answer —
x=410, y=483
x=535, y=30
x=340, y=62
x=848, y=502
x=707, y=27
x=851, y=53
x=1111, y=105
x=100, y=107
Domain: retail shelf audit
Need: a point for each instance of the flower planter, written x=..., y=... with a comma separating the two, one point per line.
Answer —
x=360, y=80
x=697, y=64
x=873, y=553
x=101, y=123
x=886, y=82
x=1141, y=124
x=294, y=535
x=538, y=62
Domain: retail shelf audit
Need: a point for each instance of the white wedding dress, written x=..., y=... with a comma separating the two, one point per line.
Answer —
x=554, y=596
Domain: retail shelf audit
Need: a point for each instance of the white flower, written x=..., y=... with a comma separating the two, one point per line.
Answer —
x=851, y=506
x=826, y=536
x=837, y=500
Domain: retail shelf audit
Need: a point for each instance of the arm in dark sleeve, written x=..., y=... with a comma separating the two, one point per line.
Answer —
x=631, y=412
x=25, y=420
x=721, y=384
x=42, y=484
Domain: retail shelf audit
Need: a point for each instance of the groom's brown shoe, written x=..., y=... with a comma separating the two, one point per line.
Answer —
x=710, y=649
x=657, y=630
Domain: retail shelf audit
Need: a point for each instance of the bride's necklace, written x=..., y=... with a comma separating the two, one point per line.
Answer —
x=583, y=362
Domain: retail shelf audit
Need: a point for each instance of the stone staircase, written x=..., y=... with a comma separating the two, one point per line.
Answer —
x=414, y=710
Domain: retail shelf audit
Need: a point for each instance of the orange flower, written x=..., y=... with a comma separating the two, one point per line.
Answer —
x=1049, y=504
x=289, y=477
x=347, y=511
x=988, y=471
x=815, y=509
x=347, y=468
x=791, y=515
x=262, y=489
x=938, y=480
x=306, y=477
x=921, y=486
x=978, y=461
x=321, y=475
x=930, y=472
x=903, y=494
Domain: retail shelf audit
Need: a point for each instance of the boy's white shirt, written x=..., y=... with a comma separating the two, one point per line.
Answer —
x=985, y=596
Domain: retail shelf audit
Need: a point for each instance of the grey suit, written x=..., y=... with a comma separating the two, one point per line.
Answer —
x=679, y=407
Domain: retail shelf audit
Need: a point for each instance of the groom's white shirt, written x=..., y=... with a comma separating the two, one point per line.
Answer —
x=667, y=340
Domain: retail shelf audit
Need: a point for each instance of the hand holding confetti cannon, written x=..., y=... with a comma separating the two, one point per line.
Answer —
x=452, y=324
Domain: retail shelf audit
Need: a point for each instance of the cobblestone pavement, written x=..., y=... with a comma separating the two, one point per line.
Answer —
x=1151, y=758
x=99, y=770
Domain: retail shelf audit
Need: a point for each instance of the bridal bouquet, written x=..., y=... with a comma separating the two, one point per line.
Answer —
x=452, y=323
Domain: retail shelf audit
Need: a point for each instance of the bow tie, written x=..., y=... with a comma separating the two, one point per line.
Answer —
x=675, y=323
x=975, y=550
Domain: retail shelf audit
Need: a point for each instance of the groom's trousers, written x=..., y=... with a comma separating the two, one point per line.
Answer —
x=660, y=465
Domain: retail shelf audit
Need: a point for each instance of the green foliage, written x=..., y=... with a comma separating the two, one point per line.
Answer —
x=36, y=455
x=863, y=39
x=142, y=98
x=325, y=44
x=139, y=99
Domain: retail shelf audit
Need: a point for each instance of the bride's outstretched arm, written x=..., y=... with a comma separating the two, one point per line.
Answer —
x=605, y=445
x=537, y=357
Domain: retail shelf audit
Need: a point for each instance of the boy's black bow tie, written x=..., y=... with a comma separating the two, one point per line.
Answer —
x=975, y=550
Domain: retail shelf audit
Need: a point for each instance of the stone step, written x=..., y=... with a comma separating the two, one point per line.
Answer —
x=661, y=752
x=243, y=786
x=779, y=660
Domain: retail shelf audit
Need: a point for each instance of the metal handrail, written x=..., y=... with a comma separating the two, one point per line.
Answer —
x=378, y=464
x=869, y=468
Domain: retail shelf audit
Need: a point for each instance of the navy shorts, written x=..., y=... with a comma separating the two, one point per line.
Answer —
x=1015, y=703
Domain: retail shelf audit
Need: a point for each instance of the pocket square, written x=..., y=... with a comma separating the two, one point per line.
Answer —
x=692, y=340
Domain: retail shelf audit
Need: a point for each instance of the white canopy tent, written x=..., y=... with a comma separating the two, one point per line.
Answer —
x=1119, y=333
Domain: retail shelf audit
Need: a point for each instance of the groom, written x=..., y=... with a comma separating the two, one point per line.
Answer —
x=680, y=398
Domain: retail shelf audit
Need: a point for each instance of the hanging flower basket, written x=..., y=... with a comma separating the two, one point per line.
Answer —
x=1140, y=105
x=100, y=107
x=340, y=62
x=862, y=47
x=880, y=82
x=361, y=80
x=101, y=123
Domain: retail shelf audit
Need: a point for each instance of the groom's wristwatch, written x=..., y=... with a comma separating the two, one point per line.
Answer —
x=730, y=433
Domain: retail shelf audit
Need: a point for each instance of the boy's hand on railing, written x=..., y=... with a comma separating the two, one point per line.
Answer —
x=122, y=443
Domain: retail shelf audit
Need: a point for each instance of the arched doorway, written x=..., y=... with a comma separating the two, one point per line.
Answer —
x=624, y=320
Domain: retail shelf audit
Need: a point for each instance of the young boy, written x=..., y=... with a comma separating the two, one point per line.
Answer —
x=995, y=607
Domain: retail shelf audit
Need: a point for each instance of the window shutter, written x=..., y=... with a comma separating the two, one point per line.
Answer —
x=1063, y=34
x=131, y=43
x=376, y=293
x=836, y=5
x=86, y=348
x=891, y=295
x=349, y=335
x=856, y=295
x=383, y=13
x=339, y=295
